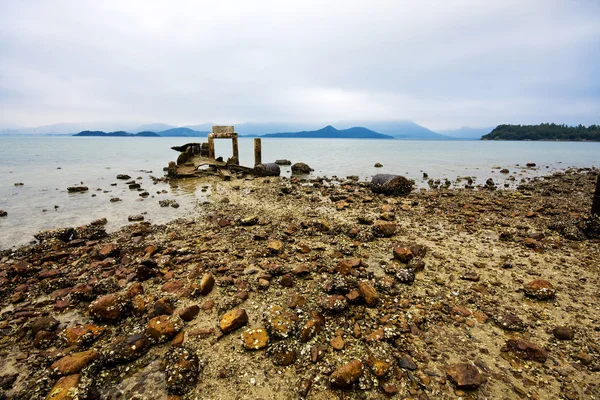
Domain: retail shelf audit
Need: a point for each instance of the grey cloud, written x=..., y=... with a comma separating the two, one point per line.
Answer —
x=443, y=64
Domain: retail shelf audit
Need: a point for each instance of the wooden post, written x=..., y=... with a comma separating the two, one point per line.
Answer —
x=596, y=199
x=211, y=146
x=257, y=152
x=234, y=145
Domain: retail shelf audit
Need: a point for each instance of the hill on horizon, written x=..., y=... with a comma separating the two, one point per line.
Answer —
x=466, y=132
x=182, y=132
x=330, y=132
x=400, y=129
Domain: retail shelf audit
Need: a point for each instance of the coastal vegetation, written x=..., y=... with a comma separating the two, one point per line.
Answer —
x=545, y=132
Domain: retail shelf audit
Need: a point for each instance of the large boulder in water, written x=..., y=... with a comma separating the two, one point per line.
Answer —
x=269, y=169
x=301, y=168
x=395, y=185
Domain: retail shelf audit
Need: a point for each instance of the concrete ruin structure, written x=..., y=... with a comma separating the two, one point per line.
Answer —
x=224, y=132
x=196, y=155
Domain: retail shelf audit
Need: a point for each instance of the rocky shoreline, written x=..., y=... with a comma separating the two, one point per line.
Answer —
x=315, y=288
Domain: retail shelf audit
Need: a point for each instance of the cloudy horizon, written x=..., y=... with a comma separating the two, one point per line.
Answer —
x=442, y=64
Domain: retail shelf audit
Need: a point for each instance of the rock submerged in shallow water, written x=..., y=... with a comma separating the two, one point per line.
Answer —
x=391, y=185
x=378, y=165
x=3, y=213
x=301, y=168
x=77, y=189
x=123, y=176
x=283, y=162
x=136, y=217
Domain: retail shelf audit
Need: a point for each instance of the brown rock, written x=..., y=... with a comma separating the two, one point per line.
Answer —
x=135, y=289
x=283, y=354
x=334, y=303
x=337, y=343
x=206, y=284
x=347, y=374
x=540, y=289
x=526, y=350
x=81, y=335
x=296, y=300
x=162, y=307
x=302, y=269
x=287, y=281
x=345, y=267
x=65, y=388
x=163, y=327
x=108, y=250
x=465, y=376
x=178, y=339
x=311, y=328
x=531, y=243
x=189, y=313
x=275, y=246
x=73, y=363
x=43, y=324
x=43, y=339
x=181, y=367
x=109, y=308
x=173, y=286
x=402, y=253
x=509, y=322
x=379, y=367
x=563, y=333
x=369, y=293
x=124, y=350
x=279, y=322
x=233, y=320
x=255, y=339
x=384, y=229
x=407, y=363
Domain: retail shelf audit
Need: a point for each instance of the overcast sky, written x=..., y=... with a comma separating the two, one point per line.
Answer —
x=443, y=64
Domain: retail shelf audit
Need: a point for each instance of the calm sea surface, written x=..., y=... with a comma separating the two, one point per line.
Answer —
x=48, y=165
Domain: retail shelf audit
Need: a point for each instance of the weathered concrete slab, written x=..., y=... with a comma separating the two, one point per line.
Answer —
x=222, y=129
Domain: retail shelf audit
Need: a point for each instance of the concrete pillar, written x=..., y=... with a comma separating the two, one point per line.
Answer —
x=257, y=152
x=236, y=152
x=211, y=146
x=596, y=199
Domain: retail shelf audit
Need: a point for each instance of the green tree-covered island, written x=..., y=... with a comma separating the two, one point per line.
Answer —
x=578, y=133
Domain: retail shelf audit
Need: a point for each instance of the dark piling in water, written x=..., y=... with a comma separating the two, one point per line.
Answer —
x=596, y=200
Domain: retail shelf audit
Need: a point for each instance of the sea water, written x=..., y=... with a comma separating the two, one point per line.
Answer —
x=48, y=165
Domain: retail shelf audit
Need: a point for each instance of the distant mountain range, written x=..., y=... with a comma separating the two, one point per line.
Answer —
x=115, y=134
x=398, y=129
x=175, y=132
x=329, y=132
x=467, y=133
